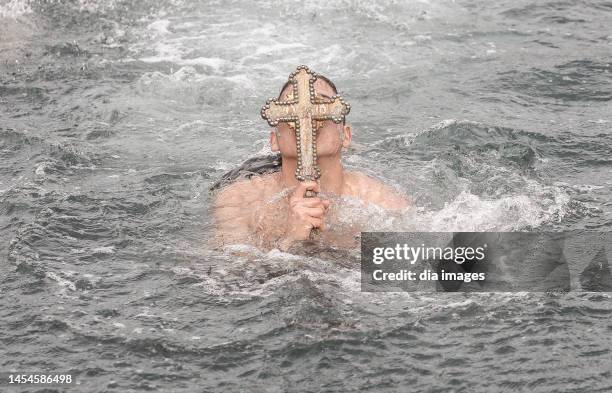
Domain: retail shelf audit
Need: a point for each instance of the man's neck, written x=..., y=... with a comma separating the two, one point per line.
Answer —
x=332, y=174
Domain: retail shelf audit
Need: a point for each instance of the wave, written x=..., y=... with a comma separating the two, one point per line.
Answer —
x=578, y=80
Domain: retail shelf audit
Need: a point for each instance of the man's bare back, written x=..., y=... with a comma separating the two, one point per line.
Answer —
x=263, y=212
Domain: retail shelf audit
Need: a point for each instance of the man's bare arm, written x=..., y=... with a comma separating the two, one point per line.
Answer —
x=390, y=199
x=232, y=212
x=373, y=191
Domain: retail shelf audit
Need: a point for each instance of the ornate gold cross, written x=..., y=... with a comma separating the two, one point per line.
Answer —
x=304, y=109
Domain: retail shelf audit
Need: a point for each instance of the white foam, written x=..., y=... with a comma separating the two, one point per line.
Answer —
x=187, y=85
x=170, y=52
x=61, y=281
x=96, y=5
x=14, y=9
x=40, y=169
x=469, y=213
x=104, y=250
x=277, y=48
x=159, y=26
x=224, y=165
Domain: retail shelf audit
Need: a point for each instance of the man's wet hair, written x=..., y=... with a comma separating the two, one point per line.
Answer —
x=319, y=76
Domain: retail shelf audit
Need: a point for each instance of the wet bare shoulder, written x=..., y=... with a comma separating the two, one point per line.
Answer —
x=374, y=191
x=244, y=193
x=233, y=207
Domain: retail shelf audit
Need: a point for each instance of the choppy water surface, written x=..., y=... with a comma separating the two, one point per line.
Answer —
x=117, y=116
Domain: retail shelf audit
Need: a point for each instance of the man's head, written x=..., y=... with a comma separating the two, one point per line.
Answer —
x=331, y=137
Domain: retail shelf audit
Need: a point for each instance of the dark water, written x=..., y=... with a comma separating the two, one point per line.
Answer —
x=117, y=116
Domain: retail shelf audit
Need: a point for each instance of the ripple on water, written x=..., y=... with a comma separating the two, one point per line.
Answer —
x=120, y=114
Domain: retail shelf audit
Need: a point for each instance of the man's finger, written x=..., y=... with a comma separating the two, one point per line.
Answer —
x=314, y=211
x=315, y=222
x=312, y=202
x=300, y=191
x=308, y=185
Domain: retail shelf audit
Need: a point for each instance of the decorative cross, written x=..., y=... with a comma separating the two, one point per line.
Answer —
x=304, y=110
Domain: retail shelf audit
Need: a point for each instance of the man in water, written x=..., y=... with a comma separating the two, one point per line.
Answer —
x=272, y=211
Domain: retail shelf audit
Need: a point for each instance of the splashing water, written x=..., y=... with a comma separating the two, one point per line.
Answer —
x=117, y=117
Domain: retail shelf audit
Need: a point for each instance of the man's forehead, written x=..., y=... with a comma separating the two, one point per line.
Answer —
x=320, y=85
